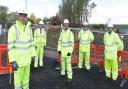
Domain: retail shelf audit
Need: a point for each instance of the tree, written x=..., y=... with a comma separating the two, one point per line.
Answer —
x=11, y=18
x=55, y=20
x=32, y=18
x=65, y=10
x=87, y=10
x=37, y=20
x=77, y=11
x=3, y=15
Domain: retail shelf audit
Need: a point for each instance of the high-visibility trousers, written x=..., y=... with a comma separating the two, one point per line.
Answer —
x=66, y=65
x=84, y=56
x=111, y=67
x=39, y=57
x=21, y=77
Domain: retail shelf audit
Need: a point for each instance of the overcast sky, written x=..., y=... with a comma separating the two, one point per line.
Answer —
x=115, y=9
x=40, y=8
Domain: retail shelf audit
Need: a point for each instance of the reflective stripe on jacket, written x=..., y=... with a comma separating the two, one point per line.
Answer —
x=40, y=37
x=20, y=44
x=111, y=42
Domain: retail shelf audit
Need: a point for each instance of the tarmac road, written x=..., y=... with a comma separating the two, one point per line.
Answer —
x=49, y=79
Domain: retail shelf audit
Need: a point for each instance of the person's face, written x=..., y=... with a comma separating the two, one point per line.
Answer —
x=40, y=26
x=22, y=17
x=109, y=29
x=66, y=25
x=86, y=26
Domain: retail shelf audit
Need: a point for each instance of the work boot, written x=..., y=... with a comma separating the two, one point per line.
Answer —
x=107, y=78
x=88, y=70
x=41, y=68
x=69, y=80
x=114, y=82
x=79, y=69
x=62, y=77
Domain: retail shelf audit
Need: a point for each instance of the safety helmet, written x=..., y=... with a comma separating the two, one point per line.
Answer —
x=22, y=11
x=41, y=22
x=66, y=21
x=85, y=23
x=109, y=23
x=122, y=37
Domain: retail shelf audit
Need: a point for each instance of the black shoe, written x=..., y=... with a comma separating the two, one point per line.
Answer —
x=114, y=82
x=62, y=76
x=107, y=78
x=79, y=69
x=42, y=68
x=69, y=80
x=36, y=68
x=88, y=70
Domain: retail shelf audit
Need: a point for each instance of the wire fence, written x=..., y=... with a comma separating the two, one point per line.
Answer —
x=53, y=37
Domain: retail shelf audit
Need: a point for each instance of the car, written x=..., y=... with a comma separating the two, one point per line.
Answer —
x=123, y=31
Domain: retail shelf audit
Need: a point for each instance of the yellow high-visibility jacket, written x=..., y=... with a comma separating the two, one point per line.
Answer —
x=85, y=39
x=40, y=37
x=66, y=42
x=112, y=45
x=20, y=44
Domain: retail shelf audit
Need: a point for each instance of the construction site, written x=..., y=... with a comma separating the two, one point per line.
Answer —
x=49, y=76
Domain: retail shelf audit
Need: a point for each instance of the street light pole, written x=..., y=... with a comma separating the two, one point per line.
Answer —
x=45, y=5
x=46, y=8
x=26, y=4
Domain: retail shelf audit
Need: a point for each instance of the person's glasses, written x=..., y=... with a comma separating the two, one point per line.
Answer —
x=22, y=15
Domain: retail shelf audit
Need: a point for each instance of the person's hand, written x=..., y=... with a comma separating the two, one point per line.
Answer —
x=59, y=52
x=33, y=57
x=69, y=54
x=14, y=65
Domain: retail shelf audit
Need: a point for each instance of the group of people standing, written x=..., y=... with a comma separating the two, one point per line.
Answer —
x=22, y=46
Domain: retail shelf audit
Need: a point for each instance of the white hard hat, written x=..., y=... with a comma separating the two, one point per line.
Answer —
x=122, y=37
x=66, y=21
x=85, y=23
x=109, y=23
x=23, y=11
x=41, y=22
